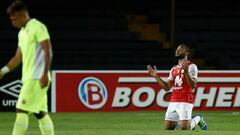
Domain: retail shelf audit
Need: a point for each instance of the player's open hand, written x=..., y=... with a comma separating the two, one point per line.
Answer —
x=185, y=67
x=44, y=81
x=152, y=71
x=1, y=75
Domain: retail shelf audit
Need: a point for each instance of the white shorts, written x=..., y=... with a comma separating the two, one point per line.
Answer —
x=178, y=111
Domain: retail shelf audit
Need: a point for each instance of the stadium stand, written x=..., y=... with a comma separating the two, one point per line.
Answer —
x=128, y=35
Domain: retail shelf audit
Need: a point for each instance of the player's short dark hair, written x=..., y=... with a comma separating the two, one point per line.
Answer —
x=16, y=6
x=186, y=46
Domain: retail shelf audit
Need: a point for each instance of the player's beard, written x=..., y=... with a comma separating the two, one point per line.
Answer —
x=179, y=57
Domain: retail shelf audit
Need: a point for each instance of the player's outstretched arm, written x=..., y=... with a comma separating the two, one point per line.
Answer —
x=13, y=63
x=153, y=72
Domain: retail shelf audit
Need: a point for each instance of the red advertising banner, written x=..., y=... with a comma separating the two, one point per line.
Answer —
x=85, y=91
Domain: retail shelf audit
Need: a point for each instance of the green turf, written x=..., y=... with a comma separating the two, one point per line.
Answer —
x=124, y=123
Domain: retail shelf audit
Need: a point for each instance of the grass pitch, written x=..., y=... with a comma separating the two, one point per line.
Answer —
x=124, y=123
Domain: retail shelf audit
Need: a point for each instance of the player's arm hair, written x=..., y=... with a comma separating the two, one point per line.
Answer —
x=16, y=60
x=165, y=85
x=191, y=80
x=47, y=48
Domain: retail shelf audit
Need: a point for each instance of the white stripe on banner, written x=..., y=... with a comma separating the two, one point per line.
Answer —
x=200, y=79
x=53, y=92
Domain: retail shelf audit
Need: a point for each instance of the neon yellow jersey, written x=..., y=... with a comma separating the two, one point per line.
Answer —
x=29, y=38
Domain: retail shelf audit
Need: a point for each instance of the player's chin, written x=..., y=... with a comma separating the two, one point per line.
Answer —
x=179, y=56
x=16, y=25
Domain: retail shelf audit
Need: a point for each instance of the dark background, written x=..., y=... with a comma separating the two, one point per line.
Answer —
x=128, y=35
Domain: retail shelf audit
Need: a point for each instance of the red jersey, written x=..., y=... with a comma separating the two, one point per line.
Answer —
x=182, y=91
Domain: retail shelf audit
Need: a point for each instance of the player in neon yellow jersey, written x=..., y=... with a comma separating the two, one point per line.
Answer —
x=35, y=53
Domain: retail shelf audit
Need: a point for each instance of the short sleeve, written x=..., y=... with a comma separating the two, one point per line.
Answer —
x=170, y=76
x=193, y=70
x=41, y=32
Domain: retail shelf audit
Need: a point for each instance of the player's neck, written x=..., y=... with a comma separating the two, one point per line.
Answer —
x=27, y=19
x=183, y=60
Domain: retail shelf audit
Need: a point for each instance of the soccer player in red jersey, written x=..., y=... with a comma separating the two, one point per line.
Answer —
x=182, y=81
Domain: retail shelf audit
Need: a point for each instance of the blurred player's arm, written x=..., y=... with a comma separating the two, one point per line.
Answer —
x=165, y=85
x=191, y=79
x=47, y=48
x=13, y=63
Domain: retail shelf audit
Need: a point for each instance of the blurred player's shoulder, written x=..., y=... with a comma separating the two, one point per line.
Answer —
x=37, y=26
x=174, y=67
x=191, y=64
x=35, y=21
